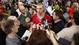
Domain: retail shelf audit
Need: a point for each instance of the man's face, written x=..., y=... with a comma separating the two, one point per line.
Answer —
x=40, y=9
x=69, y=3
x=22, y=9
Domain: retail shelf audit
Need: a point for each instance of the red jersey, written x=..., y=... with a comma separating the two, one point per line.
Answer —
x=36, y=20
x=71, y=12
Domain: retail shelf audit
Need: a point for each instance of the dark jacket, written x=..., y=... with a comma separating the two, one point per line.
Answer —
x=2, y=37
x=59, y=26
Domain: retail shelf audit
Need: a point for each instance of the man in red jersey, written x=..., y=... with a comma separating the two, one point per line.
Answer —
x=40, y=16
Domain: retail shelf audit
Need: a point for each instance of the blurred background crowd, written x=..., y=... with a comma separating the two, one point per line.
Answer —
x=39, y=22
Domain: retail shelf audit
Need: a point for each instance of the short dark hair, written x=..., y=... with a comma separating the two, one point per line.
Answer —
x=76, y=17
x=39, y=37
x=9, y=24
x=59, y=13
x=18, y=3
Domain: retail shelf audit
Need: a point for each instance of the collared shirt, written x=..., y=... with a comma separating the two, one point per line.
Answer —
x=18, y=11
